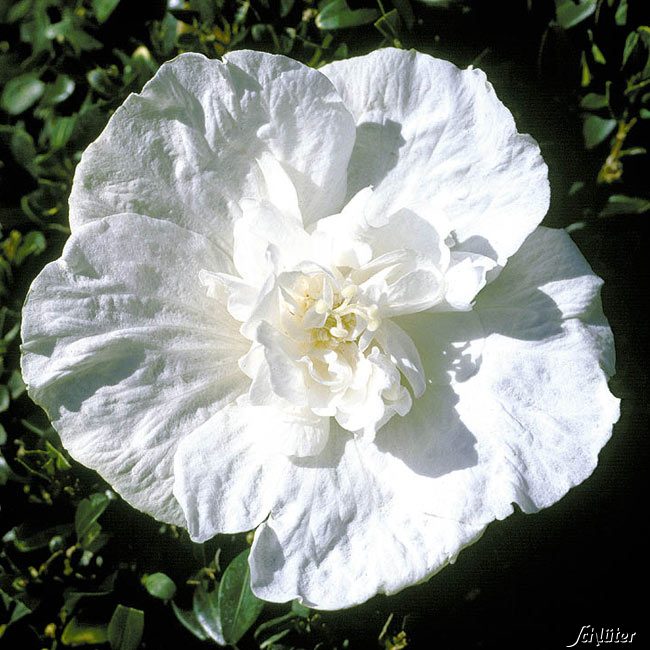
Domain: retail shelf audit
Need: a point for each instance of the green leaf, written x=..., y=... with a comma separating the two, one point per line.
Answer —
x=644, y=114
x=159, y=586
x=21, y=92
x=239, y=607
x=593, y=102
x=618, y=204
x=188, y=619
x=621, y=13
x=206, y=609
x=28, y=538
x=58, y=91
x=77, y=633
x=17, y=608
x=338, y=15
x=596, y=52
x=300, y=610
x=88, y=511
x=405, y=12
x=15, y=384
x=5, y=398
x=596, y=129
x=568, y=13
x=631, y=42
x=103, y=9
x=125, y=628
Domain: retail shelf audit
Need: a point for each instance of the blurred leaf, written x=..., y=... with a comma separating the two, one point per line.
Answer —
x=621, y=13
x=300, y=610
x=188, y=619
x=17, y=608
x=159, y=585
x=88, y=511
x=389, y=25
x=596, y=129
x=125, y=628
x=21, y=92
x=405, y=11
x=239, y=607
x=596, y=52
x=58, y=91
x=206, y=610
x=568, y=13
x=593, y=102
x=15, y=384
x=31, y=537
x=4, y=398
x=338, y=15
x=631, y=42
x=585, y=74
x=77, y=633
x=103, y=9
x=619, y=204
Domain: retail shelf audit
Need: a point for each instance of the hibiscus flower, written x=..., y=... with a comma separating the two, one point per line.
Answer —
x=319, y=304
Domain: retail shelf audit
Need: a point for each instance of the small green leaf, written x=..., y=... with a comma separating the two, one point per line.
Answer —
x=621, y=13
x=644, y=114
x=596, y=52
x=28, y=538
x=58, y=91
x=159, y=586
x=206, y=610
x=300, y=610
x=103, y=9
x=88, y=511
x=125, y=628
x=239, y=607
x=338, y=15
x=5, y=398
x=618, y=204
x=631, y=42
x=15, y=384
x=593, y=102
x=569, y=13
x=77, y=633
x=188, y=619
x=596, y=129
x=21, y=92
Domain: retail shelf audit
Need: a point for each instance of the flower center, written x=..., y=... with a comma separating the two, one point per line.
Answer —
x=330, y=310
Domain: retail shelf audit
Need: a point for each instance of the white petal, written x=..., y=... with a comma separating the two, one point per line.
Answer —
x=127, y=354
x=429, y=133
x=340, y=533
x=229, y=470
x=184, y=149
x=401, y=349
x=465, y=277
x=262, y=231
x=523, y=421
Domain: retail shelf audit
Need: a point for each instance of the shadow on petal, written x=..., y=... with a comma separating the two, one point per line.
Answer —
x=375, y=153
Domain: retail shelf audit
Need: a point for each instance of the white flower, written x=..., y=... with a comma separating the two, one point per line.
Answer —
x=272, y=312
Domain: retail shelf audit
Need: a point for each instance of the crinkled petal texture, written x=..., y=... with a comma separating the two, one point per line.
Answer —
x=125, y=354
x=184, y=149
x=436, y=139
x=319, y=305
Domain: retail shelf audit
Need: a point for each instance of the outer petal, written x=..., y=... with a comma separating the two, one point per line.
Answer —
x=340, y=533
x=429, y=134
x=184, y=149
x=127, y=354
x=532, y=408
x=229, y=470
